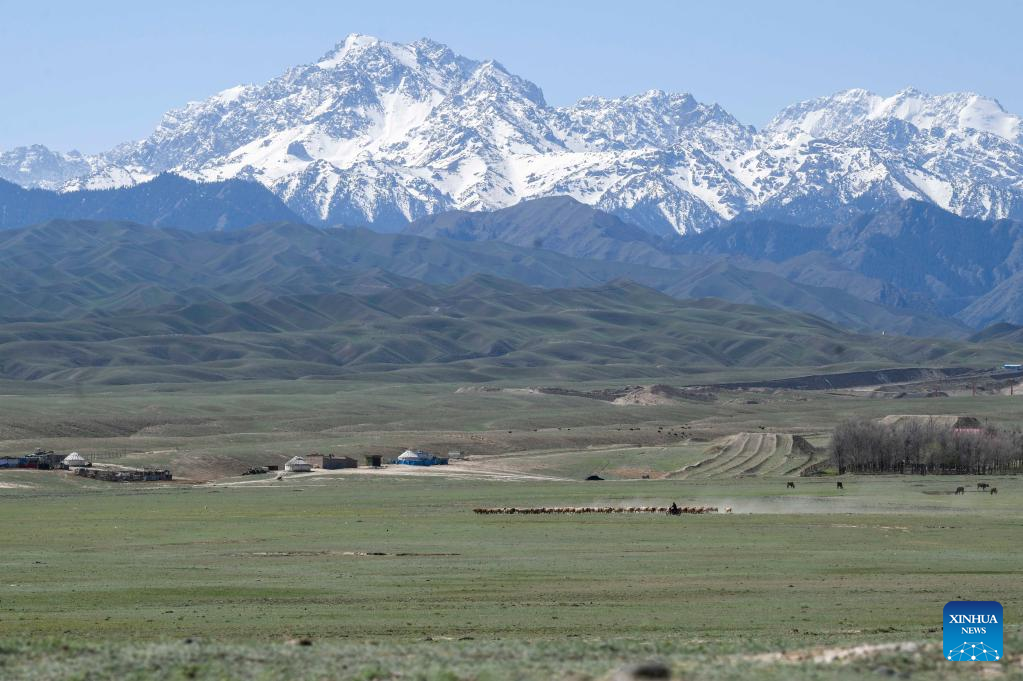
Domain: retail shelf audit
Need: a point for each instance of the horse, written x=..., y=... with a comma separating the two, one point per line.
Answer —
x=839, y=483
x=960, y=490
x=790, y=485
x=994, y=490
x=982, y=485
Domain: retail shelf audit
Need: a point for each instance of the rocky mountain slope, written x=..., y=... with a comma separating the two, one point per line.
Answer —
x=382, y=134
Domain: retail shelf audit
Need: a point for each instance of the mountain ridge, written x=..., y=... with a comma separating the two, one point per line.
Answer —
x=166, y=200
x=382, y=134
x=63, y=269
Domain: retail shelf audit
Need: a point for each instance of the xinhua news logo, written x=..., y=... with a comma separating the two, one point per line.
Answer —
x=972, y=631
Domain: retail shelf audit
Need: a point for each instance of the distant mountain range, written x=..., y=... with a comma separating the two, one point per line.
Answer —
x=897, y=215
x=910, y=269
x=165, y=201
x=64, y=269
x=119, y=302
x=383, y=134
x=910, y=256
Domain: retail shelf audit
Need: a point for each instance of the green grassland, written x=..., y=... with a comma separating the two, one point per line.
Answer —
x=398, y=575
x=393, y=576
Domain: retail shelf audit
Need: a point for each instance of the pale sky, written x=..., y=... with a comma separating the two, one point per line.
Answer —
x=89, y=75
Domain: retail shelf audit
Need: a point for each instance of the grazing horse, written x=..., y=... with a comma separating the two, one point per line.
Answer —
x=840, y=485
x=790, y=485
x=960, y=490
x=994, y=490
x=982, y=485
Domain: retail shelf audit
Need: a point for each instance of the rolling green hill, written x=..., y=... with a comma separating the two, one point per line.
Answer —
x=479, y=329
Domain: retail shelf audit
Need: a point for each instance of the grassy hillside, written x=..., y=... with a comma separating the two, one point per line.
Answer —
x=480, y=329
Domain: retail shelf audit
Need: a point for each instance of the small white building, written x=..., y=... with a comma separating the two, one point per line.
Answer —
x=298, y=465
x=418, y=458
x=75, y=460
x=413, y=457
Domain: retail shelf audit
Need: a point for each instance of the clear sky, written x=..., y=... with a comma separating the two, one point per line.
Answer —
x=89, y=75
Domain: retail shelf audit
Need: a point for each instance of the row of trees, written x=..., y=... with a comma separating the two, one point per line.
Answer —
x=925, y=446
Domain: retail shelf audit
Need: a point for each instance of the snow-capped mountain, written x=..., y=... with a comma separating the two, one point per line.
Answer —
x=960, y=151
x=37, y=166
x=383, y=133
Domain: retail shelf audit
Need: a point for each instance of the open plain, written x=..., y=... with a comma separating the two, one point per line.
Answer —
x=389, y=574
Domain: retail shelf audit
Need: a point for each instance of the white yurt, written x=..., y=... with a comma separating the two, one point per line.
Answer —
x=75, y=460
x=415, y=458
x=298, y=465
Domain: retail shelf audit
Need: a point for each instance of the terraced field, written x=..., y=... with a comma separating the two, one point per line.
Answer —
x=749, y=454
x=735, y=456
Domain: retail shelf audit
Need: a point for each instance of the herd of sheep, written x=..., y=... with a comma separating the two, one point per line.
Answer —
x=670, y=510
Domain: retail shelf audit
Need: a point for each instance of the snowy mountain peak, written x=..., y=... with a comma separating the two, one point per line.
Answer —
x=843, y=111
x=381, y=133
x=354, y=43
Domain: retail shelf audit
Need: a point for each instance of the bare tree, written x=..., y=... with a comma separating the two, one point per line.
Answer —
x=923, y=447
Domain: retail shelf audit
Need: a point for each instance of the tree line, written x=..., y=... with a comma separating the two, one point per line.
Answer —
x=925, y=446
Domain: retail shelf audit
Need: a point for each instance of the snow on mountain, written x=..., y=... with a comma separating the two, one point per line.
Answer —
x=37, y=166
x=960, y=151
x=383, y=133
x=844, y=111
